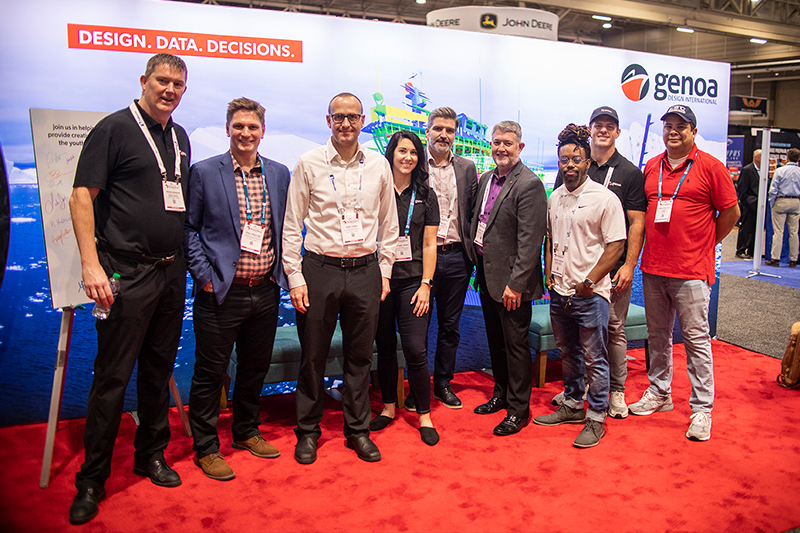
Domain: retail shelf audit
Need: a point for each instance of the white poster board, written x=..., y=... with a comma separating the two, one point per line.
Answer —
x=57, y=141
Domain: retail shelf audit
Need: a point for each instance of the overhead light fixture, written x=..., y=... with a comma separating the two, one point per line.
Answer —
x=601, y=17
x=686, y=30
x=421, y=1
x=607, y=25
x=756, y=40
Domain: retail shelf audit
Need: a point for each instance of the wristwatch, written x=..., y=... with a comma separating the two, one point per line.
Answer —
x=428, y=282
x=589, y=283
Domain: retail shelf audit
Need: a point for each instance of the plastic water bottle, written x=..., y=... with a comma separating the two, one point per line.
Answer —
x=101, y=312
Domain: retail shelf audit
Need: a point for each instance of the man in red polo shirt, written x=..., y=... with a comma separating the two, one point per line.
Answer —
x=685, y=188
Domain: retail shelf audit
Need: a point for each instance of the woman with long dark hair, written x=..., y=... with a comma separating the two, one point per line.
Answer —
x=408, y=303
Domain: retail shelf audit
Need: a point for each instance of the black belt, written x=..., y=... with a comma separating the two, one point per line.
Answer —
x=255, y=281
x=141, y=258
x=449, y=247
x=343, y=262
x=779, y=197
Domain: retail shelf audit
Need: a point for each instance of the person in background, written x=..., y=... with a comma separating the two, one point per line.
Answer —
x=406, y=308
x=747, y=190
x=784, y=199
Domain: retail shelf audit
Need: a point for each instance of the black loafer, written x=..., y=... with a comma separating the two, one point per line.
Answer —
x=510, y=425
x=429, y=435
x=84, y=506
x=159, y=473
x=364, y=447
x=380, y=422
x=492, y=406
x=305, y=452
x=447, y=397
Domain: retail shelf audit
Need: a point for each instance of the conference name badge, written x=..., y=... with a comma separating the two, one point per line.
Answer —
x=479, y=233
x=558, y=264
x=664, y=210
x=252, y=237
x=173, y=196
x=403, y=250
x=444, y=222
x=352, y=231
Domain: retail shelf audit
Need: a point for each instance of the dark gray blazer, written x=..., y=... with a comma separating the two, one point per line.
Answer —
x=512, y=242
x=466, y=187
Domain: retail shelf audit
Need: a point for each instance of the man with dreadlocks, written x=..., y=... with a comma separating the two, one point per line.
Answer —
x=585, y=238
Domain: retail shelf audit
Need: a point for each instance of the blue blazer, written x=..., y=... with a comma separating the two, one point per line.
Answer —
x=212, y=232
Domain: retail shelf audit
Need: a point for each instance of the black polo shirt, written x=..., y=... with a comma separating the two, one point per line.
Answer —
x=129, y=209
x=426, y=213
x=627, y=182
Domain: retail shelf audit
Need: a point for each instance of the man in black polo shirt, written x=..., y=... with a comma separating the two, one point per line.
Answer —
x=624, y=179
x=127, y=210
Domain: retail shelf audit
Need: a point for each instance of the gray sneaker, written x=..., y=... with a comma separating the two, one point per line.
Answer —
x=563, y=415
x=591, y=434
x=616, y=405
x=651, y=403
x=700, y=427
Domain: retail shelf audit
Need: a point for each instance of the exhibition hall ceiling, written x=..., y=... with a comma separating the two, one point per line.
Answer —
x=722, y=28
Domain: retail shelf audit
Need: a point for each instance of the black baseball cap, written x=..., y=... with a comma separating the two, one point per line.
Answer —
x=683, y=111
x=605, y=110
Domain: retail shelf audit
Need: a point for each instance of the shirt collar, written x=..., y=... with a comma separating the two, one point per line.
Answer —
x=237, y=166
x=499, y=177
x=693, y=153
x=150, y=121
x=579, y=189
x=333, y=154
x=432, y=161
x=613, y=161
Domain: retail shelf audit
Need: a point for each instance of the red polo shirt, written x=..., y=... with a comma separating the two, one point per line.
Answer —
x=684, y=246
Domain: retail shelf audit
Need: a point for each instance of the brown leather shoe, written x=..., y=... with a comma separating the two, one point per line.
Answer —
x=258, y=447
x=772, y=263
x=215, y=466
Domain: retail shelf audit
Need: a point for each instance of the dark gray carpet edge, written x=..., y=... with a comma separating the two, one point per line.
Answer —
x=756, y=315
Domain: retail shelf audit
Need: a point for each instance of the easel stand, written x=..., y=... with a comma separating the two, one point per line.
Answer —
x=64, y=337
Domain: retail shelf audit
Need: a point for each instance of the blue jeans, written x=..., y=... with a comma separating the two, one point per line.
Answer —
x=664, y=298
x=580, y=328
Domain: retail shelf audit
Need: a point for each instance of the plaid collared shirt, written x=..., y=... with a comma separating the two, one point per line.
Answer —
x=251, y=265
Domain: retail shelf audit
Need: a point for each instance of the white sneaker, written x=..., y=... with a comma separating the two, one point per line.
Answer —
x=651, y=403
x=700, y=427
x=616, y=405
x=558, y=399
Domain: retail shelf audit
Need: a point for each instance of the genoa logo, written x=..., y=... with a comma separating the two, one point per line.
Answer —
x=635, y=82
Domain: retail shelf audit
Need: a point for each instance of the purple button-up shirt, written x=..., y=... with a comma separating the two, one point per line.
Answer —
x=494, y=189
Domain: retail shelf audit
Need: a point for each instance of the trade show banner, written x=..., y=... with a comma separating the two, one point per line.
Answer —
x=88, y=55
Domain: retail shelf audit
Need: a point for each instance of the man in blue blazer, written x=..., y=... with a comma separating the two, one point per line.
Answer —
x=234, y=220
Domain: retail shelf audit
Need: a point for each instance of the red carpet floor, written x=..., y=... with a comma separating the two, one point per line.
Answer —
x=644, y=476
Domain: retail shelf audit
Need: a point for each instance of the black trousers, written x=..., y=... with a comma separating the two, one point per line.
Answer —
x=397, y=309
x=746, y=241
x=450, y=283
x=144, y=326
x=247, y=317
x=507, y=333
x=352, y=294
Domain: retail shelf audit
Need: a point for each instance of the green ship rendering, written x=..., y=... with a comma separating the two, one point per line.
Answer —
x=470, y=139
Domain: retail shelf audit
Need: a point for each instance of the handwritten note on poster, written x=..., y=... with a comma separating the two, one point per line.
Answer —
x=58, y=137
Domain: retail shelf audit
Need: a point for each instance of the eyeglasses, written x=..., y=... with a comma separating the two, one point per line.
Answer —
x=338, y=118
x=577, y=160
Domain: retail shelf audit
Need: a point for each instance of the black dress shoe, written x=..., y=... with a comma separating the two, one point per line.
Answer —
x=492, y=406
x=447, y=397
x=84, y=506
x=380, y=422
x=305, y=452
x=364, y=447
x=159, y=472
x=510, y=425
x=410, y=404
